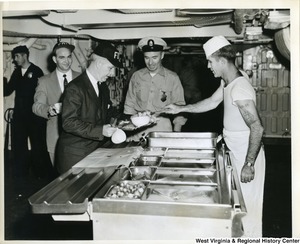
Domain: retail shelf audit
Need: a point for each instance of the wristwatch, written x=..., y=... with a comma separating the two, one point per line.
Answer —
x=249, y=164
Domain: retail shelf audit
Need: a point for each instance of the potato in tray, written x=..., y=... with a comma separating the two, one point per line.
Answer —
x=126, y=190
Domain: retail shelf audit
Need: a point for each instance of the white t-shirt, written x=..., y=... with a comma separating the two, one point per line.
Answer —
x=238, y=89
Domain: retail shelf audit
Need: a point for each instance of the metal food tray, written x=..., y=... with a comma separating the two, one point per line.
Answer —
x=125, y=196
x=148, y=160
x=142, y=172
x=186, y=176
x=154, y=151
x=187, y=140
x=187, y=163
x=192, y=199
x=178, y=152
x=202, y=194
x=189, y=153
x=70, y=192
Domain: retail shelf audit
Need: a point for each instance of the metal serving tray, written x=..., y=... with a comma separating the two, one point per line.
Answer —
x=71, y=192
x=186, y=176
x=123, y=175
x=202, y=194
x=165, y=198
x=186, y=140
x=189, y=153
x=154, y=151
x=127, y=189
x=187, y=199
x=142, y=172
x=148, y=161
x=188, y=162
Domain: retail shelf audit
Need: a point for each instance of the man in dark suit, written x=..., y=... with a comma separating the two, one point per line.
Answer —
x=85, y=109
x=25, y=124
x=47, y=98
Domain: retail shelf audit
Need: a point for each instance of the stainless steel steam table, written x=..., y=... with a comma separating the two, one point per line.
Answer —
x=180, y=186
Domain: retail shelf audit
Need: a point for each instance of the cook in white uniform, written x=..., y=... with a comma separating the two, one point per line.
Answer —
x=242, y=131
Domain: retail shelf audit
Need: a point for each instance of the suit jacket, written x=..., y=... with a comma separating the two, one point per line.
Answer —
x=83, y=117
x=47, y=93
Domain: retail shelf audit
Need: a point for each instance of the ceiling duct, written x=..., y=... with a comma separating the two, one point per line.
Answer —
x=26, y=13
x=143, y=11
x=121, y=24
x=171, y=19
x=205, y=17
x=197, y=12
x=15, y=35
x=61, y=11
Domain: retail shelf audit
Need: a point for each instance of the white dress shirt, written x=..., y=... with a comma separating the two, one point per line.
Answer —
x=93, y=81
x=61, y=78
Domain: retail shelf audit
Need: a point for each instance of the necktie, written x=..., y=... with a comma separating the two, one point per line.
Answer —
x=103, y=100
x=99, y=90
x=65, y=80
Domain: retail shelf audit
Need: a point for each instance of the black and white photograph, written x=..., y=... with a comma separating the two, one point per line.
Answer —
x=132, y=122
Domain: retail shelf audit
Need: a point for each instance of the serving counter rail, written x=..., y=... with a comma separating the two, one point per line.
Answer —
x=180, y=186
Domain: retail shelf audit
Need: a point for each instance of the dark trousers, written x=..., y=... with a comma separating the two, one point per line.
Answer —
x=33, y=128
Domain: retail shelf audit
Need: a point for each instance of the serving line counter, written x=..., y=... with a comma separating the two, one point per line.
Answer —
x=180, y=186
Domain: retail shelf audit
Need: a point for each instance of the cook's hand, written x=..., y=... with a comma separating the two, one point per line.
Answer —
x=108, y=130
x=247, y=173
x=171, y=109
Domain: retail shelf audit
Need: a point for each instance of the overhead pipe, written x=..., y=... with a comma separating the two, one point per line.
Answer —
x=28, y=42
x=13, y=39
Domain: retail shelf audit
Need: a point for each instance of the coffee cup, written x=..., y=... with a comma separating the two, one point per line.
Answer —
x=57, y=107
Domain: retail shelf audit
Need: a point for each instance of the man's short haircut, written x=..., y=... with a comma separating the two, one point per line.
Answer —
x=227, y=52
x=20, y=49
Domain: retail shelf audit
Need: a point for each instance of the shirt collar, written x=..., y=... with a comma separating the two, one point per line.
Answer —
x=161, y=71
x=91, y=77
x=60, y=74
x=23, y=70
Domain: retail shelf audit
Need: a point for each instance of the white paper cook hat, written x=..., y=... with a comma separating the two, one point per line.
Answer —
x=214, y=44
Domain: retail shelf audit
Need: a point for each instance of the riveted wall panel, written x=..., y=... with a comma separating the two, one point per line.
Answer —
x=274, y=125
x=274, y=102
x=271, y=81
x=263, y=102
x=286, y=102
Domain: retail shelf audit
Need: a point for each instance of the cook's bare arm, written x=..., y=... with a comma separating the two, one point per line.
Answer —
x=199, y=107
x=251, y=118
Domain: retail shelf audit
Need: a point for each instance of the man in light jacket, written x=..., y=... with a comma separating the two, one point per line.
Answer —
x=47, y=98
